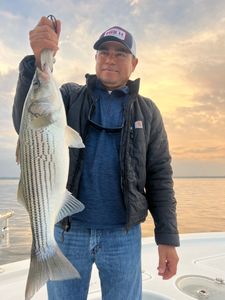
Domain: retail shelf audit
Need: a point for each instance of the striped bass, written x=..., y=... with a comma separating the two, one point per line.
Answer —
x=43, y=155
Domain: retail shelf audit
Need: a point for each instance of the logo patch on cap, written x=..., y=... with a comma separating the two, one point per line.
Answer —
x=116, y=32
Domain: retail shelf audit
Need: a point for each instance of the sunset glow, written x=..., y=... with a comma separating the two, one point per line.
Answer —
x=181, y=51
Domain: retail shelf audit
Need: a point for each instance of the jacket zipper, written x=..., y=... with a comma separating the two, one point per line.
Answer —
x=123, y=150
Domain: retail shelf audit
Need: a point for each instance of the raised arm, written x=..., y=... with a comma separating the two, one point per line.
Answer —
x=41, y=37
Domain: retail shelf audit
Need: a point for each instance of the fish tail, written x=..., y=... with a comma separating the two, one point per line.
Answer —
x=54, y=267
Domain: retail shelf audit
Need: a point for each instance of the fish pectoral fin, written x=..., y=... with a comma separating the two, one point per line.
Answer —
x=71, y=206
x=73, y=138
x=20, y=195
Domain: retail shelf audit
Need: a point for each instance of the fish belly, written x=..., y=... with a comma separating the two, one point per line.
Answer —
x=41, y=168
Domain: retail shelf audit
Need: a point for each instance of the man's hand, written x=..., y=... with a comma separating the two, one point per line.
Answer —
x=43, y=36
x=168, y=260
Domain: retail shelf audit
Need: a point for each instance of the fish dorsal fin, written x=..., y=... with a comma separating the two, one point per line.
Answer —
x=71, y=206
x=20, y=194
x=73, y=138
x=18, y=152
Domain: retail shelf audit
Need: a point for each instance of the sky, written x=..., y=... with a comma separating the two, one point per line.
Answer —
x=181, y=51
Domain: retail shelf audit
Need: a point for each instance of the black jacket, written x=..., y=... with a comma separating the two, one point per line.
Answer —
x=146, y=173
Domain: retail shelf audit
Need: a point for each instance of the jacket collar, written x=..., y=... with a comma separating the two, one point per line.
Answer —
x=133, y=85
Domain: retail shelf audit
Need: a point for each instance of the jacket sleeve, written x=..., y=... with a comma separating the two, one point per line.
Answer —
x=159, y=184
x=26, y=73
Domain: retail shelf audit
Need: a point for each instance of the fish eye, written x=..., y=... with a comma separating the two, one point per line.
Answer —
x=36, y=83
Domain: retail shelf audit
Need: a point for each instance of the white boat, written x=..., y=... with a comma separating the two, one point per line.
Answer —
x=4, y=225
x=201, y=272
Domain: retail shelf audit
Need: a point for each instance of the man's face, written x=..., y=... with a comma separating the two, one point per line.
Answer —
x=114, y=64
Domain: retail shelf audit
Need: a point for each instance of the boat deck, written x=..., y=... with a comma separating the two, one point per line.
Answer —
x=201, y=272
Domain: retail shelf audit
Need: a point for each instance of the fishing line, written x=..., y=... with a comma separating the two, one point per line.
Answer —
x=54, y=22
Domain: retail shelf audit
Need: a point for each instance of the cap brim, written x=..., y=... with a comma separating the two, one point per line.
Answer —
x=108, y=39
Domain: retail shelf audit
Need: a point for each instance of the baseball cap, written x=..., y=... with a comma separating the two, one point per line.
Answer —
x=117, y=34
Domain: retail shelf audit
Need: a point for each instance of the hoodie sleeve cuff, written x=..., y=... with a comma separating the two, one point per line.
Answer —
x=27, y=68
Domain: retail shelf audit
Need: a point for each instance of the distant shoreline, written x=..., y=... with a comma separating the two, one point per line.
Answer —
x=175, y=177
x=9, y=178
x=186, y=177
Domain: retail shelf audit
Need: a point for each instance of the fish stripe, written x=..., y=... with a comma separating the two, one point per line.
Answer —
x=44, y=170
x=39, y=172
x=39, y=154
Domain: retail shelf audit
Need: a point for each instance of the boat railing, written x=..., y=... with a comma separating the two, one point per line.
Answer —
x=4, y=226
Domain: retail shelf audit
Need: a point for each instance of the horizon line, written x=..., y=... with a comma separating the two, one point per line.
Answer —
x=176, y=176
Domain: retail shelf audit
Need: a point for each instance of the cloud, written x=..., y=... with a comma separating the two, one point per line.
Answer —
x=14, y=31
x=135, y=7
x=203, y=152
x=9, y=16
x=134, y=2
x=191, y=75
x=7, y=82
x=199, y=127
x=198, y=131
x=9, y=58
x=8, y=136
x=180, y=45
x=7, y=87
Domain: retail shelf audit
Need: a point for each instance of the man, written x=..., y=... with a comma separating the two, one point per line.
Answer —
x=123, y=172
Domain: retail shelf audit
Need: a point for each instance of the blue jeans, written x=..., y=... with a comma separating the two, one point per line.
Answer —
x=117, y=255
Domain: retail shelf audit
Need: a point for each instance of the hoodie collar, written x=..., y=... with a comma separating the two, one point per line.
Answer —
x=133, y=85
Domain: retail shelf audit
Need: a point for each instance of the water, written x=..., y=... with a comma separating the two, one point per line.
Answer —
x=19, y=233
x=200, y=208
x=200, y=205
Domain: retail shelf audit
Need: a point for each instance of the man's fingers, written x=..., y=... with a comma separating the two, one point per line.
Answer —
x=170, y=271
x=46, y=31
x=167, y=270
x=58, y=27
x=44, y=21
x=44, y=36
x=168, y=260
x=35, y=45
x=162, y=265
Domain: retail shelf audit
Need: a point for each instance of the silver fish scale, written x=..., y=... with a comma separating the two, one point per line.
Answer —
x=38, y=178
x=44, y=161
